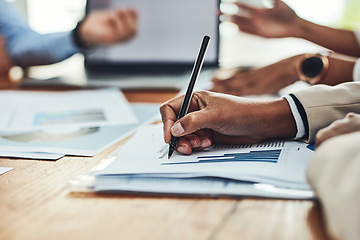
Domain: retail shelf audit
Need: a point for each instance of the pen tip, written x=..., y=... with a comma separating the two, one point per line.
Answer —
x=170, y=153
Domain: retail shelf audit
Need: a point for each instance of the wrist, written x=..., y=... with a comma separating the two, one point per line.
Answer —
x=78, y=36
x=340, y=70
x=292, y=68
x=278, y=122
x=303, y=29
x=287, y=68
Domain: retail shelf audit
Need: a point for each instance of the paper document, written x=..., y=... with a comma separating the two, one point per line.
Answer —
x=84, y=141
x=32, y=155
x=280, y=164
x=4, y=170
x=22, y=110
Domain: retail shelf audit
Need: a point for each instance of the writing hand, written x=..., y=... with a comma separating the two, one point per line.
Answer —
x=225, y=119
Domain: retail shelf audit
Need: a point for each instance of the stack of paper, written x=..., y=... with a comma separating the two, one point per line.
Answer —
x=269, y=169
x=49, y=125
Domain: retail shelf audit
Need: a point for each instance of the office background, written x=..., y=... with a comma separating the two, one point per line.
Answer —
x=62, y=15
x=37, y=202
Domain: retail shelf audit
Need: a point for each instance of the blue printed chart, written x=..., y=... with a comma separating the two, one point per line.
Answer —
x=273, y=167
x=68, y=117
x=270, y=156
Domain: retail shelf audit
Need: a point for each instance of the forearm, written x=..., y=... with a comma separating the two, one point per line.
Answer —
x=25, y=46
x=31, y=48
x=341, y=68
x=276, y=120
x=338, y=40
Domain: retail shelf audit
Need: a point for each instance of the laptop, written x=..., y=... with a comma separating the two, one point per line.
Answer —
x=162, y=53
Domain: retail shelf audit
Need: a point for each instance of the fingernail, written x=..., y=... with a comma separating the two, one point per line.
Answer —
x=177, y=129
x=205, y=143
x=194, y=144
x=182, y=149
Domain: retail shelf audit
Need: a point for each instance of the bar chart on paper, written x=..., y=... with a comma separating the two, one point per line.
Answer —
x=264, y=152
x=270, y=156
x=218, y=170
x=68, y=117
x=28, y=111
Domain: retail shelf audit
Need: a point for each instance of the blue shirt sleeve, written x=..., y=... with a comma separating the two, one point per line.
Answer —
x=27, y=47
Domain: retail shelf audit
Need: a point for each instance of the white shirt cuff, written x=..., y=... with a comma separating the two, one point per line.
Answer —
x=298, y=120
x=357, y=35
x=356, y=72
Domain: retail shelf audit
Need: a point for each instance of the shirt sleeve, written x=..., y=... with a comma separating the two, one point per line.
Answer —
x=357, y=35
x=300, y=123
x=356, y=72
x=27, y=47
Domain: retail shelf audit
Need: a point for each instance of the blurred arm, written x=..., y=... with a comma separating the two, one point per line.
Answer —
x=282, y=21
x=338, y=40
x=27, y=47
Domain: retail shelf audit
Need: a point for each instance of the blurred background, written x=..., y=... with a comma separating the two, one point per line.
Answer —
x=61, y=15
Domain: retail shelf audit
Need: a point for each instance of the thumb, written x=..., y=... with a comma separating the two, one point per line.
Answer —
x=191, y=122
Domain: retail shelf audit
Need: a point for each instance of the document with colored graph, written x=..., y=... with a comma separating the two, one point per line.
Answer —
x=281, y=164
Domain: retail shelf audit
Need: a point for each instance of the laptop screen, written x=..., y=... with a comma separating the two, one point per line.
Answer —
x=168, y=37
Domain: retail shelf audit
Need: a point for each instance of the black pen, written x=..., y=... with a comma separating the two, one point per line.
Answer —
x=186, y=102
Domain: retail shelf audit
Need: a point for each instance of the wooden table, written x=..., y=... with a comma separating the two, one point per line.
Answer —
x=36, y=204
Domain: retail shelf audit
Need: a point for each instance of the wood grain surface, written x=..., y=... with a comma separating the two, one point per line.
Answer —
x=36, y=204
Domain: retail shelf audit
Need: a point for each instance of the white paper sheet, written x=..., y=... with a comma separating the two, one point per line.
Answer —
x=180, y=186
x=63, y=111
x=32, y=155
x=5, y=169
x=281, y=163
x=86, y=141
